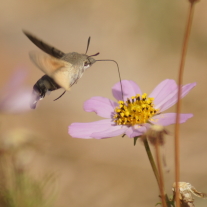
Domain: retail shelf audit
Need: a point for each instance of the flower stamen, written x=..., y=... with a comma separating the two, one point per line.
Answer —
x=137, y=110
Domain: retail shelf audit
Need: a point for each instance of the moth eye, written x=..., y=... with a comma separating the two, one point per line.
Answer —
x=86, y=64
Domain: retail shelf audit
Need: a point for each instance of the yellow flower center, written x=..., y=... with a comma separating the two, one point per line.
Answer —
x=137, y=110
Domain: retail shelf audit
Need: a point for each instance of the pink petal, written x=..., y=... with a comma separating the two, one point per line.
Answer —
x=135, y=132
x=15, y=98
x=162, y=90
x=130, y=88
x=169, y=118
x=110, y=132
x=165, y=94
x=85, y=130
x=15, y=81
x=103, y=107
x=16, y=103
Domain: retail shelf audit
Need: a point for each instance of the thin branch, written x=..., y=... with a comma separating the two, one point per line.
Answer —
x=178, y=106
x=161, y=186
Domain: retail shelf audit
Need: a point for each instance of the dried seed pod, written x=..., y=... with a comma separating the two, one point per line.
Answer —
x=186, y=194
x=156, y=134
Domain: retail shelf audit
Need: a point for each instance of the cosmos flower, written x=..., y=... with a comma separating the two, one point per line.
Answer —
x=15, y=98
x=133, y=114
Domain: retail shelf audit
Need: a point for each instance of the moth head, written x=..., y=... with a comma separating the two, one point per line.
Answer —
x=88, y=62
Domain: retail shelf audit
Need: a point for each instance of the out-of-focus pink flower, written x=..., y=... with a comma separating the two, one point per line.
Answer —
x=15, y=98
x=133, y=115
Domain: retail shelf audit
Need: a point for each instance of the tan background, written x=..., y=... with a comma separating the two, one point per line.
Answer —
x=145, y=38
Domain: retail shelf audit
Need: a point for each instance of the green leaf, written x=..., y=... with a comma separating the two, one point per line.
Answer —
x=135, y=140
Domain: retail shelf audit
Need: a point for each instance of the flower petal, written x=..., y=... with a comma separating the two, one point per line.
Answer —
x=170, y=118
x=110, y=132
x=15, y=98
x=162, y=90
x=85, y=130
x=103, y=107
x=135, y=132
x=16, y=103
x=15, y=81
x=130, y=88
x=165, y=94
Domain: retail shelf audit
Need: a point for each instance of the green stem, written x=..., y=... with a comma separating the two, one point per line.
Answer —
x=154, y=168
x=152, y=162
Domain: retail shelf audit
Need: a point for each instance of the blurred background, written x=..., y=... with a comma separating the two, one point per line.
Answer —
x=145, y=38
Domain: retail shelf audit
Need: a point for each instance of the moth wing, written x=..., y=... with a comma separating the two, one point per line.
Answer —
x=58, y=70
x=63, y=77
x=44, y=46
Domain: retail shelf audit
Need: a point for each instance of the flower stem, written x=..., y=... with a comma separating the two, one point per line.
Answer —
x=152, y=162
x=178, y=107
x=154, y=168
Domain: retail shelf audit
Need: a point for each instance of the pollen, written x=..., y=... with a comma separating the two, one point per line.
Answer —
x=137, y=110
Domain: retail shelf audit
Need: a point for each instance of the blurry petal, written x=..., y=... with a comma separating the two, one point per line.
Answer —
x=103, y=107
x=15, y=81
x=169, y=118
x=85, y=130
x=16, y=103
x=14, y=97
x=130, y=88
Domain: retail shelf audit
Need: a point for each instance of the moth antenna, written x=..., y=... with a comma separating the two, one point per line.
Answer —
x=59, y=96
x=94, y=55
x=118, y=73
x=89, y=39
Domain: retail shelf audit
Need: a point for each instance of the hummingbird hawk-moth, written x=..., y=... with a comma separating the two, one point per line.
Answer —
x=62, y=70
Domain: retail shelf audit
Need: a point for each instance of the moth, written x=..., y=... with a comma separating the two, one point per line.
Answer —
x=62, y=70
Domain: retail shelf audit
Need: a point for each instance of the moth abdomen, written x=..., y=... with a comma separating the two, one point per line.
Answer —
x=40, y=89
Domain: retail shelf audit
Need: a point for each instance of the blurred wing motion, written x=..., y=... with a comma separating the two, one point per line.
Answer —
x=45, y=47
x=59, y=70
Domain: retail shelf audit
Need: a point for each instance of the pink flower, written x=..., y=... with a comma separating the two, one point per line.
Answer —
x=134, y=115
x=14, y=98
